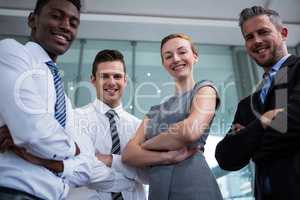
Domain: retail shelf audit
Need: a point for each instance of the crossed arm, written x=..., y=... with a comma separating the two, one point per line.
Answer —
x=170, y=146
x=190, y=129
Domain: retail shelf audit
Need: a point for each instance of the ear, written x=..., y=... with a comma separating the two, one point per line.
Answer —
x=93, y=80
x=125, y=79
x=196, y=58
x=31, y=20
x=284, y=33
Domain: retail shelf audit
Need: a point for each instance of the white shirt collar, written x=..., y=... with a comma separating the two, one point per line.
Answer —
x=102, y=108
x=40, y=54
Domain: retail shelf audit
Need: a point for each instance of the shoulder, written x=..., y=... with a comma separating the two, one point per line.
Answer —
x=205, y=83
x=210, y=88
x=9, y=43
x=11, y=46
x=84, y=110
x=130, y=117
x=292, y=61
x=130, y=121
x=14, y=54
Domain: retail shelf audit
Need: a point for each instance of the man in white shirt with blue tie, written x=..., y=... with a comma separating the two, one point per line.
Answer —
x=109, y=126
x=33, y=104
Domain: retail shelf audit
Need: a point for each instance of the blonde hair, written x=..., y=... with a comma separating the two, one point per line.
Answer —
x=178, y=35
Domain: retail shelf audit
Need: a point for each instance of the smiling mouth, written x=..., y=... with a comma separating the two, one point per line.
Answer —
x=260, y=50
x=178, y=67
x=111, y=91
x=62, y=39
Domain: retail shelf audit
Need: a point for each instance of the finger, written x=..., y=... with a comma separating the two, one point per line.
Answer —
x=6, y=144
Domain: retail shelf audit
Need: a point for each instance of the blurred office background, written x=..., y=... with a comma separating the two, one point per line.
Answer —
x=135, y=27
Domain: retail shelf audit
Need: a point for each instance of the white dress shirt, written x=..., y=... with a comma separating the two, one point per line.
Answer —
x=91, y=122
x=27, y=107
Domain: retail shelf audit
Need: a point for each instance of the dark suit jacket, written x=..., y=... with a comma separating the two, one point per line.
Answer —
x=276, y=149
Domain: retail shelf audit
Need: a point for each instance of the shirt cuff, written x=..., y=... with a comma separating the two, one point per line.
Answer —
x=118, y=165
x=68, y=168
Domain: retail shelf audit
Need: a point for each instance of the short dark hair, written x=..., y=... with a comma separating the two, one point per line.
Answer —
x=254, y=11
x=108, y=55
x=41, y=3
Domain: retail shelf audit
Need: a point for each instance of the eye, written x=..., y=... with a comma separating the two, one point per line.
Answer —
x=74, y=23
x=263, y=32
x=182, y=52
x=248, y=37
x=55, y=15
x=166, y=57
x=104, y=76
x=118, y=76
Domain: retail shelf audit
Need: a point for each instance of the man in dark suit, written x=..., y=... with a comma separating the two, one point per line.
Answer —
x=266, y=126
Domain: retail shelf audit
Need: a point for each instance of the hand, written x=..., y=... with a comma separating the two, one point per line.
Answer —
x=180, y=155
x=77, y=152
x=237, y=127
x=52, y=165
x=267, y=117
x=105, y=158
x=6, y=141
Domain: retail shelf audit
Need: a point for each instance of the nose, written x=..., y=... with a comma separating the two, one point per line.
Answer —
x=257, y=39
x=111, y=80
x=176, y=57
x=65, y=24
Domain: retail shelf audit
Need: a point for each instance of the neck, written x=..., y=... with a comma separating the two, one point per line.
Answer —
x=268, y=67
x=184, y=85
x=52, y=56
x=109, y=103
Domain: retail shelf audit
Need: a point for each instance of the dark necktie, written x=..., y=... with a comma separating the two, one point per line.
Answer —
x=115, y=149
x=60, y=104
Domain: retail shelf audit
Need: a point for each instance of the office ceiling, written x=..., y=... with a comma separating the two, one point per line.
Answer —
x=207, y=21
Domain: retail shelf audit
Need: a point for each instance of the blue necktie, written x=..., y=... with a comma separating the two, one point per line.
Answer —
x=115, y=149
x=268, y=78
x=60, y=104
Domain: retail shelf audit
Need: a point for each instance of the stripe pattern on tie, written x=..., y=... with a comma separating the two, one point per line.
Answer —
x=60, y=104
x=115, y=149
x=268, y=78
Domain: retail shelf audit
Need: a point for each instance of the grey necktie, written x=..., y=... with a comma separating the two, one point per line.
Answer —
x=115, y=149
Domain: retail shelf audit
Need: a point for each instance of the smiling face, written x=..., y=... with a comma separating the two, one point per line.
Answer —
x=110, y=82
x=55, y=26
x=178, y=58
x=264, y=42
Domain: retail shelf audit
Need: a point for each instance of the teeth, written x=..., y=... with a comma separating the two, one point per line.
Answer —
x=177, y=67
x=261, y=50
x=110, y=90
x=61, y=37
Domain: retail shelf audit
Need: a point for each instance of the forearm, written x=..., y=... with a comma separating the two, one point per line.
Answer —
x=135, y=173
x=179, y=135
x=52, y=165
x=165, y=141
x=135, y=155
x=235, y=150
x=105, y=179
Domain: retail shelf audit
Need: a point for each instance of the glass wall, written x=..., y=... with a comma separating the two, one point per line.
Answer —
x=148, y=84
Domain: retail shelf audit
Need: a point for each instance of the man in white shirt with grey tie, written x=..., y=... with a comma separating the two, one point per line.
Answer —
x=109, y=126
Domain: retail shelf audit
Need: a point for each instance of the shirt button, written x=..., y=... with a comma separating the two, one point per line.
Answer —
x=54, y=156
x=66, y=157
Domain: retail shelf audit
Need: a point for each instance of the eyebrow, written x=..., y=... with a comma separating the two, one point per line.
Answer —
x=179, y=48
x=72, y=17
